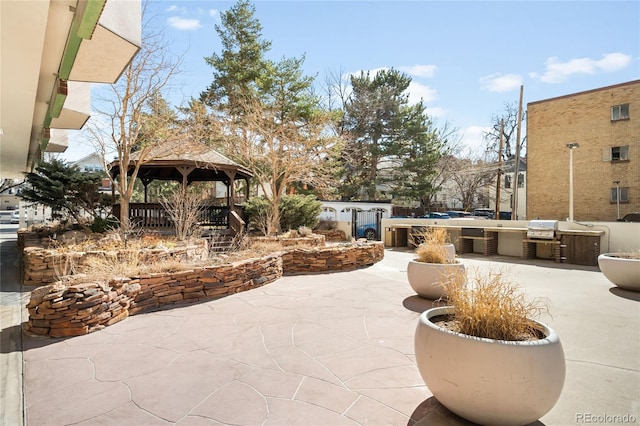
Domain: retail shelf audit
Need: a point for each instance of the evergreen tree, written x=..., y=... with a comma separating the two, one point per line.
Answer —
x=414, y=156
x=240, y=66
x=268, y=118
x=66, y=190
x=373, y=121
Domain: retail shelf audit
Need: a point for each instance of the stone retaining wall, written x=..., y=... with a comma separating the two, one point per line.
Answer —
x=338, y=258
x=314, y=240
x=43, y=266
x=62, y=309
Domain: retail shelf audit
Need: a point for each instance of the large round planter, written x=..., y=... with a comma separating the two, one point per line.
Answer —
x=621, y=270
x=490, y=382
x=427, y=279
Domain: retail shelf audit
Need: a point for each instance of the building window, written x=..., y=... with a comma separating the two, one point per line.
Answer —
x=620, y=112
x=509, y=178
x=616, y=153
x=624, y=195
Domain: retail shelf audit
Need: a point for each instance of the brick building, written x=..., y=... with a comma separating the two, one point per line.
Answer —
x=605, y=123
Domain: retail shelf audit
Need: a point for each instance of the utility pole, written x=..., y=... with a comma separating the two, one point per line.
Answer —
x=499, y=170
x=514, y=209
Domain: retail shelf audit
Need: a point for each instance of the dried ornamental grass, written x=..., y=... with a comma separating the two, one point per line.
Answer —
x=432, y=254
x=430, y=236
x=633, y=254
x=493, y=307
x=431, y=249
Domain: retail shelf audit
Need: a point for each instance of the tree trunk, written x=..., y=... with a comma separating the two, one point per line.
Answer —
x=125, y=224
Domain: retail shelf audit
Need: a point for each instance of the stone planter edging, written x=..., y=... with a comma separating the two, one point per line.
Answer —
x=62, y=309
x=42, y=266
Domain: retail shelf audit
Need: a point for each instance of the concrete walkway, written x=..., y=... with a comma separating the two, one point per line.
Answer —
x=326, y=349
x=12, y=301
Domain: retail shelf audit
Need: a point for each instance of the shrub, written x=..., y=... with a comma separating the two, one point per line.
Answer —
x=493, y=307
x=257, y=212
x=295, y=211
x=299, y=210
x=102, y=225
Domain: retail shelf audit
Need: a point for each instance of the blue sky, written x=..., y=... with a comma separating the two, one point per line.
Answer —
x=467, y=59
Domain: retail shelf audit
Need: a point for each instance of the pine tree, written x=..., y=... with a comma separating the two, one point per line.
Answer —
x=66, y=190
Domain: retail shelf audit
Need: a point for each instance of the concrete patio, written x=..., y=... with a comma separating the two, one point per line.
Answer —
x=324, y=349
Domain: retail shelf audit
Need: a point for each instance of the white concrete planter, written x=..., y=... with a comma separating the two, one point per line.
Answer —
x=490, y=382
x=427, y=279
x=621, y=270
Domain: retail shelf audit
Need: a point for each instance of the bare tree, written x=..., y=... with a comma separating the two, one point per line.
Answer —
x=492, y=137
x=280, y=152
x=184, y=206
x=472, y=179
x=125, y=122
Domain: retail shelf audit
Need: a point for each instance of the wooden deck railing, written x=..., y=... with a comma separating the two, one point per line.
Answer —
x=153, y=215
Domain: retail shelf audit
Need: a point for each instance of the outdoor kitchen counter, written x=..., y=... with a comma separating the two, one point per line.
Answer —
x=568, y=245
x=579, y=232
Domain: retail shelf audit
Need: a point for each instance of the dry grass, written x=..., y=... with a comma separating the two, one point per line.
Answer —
x=493, y=307
x=430, y=245
x=127, y=263
x=632, y=254
x=432, y=254
x=433, y=236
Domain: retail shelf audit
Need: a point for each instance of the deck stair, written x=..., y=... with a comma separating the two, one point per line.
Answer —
x=220, y=240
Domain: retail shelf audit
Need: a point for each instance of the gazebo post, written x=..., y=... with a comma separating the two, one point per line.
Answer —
x=231, y=191
x=145, y=183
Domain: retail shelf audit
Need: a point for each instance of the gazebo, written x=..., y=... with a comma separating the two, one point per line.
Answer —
x=186, y=161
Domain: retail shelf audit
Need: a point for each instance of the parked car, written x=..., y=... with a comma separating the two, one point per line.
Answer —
x=367, y=231
x=630, y=217
x=458, y=213
x=15, y=217
x=436, y=215
x=488, y=213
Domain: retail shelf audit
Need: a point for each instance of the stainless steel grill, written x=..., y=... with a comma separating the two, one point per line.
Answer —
x=542, y=229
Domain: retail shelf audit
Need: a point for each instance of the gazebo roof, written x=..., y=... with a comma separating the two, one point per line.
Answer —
x=165, y=160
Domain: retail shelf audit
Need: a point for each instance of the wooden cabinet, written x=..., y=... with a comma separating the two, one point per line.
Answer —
x=581, y=249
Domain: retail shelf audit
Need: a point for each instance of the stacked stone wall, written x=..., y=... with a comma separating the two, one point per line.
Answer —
x=59, y=309
x=63, y=309
x=44, y=266
x=314, y=240
x=338, y=258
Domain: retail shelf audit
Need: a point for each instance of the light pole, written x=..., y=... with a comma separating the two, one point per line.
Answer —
x=617, y=183
x=571, y=146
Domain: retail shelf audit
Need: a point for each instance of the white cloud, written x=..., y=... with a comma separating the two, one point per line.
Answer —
x=472, y=138
x=175, y=8
x=213, y=13
x=501, y=82
x=557, y=72
x=419, y=91
x=183, y=24
x=426, y=71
